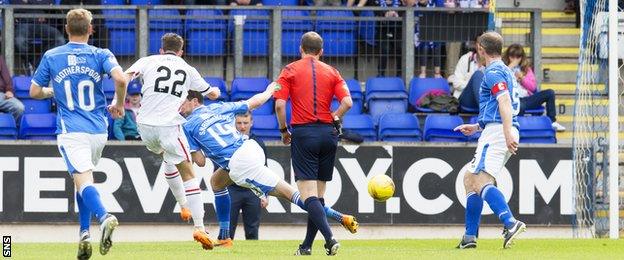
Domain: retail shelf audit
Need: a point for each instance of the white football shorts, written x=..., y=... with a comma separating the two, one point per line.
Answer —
x=170, y=141
x=81, y=151
x=492, y=153
x=247, y=169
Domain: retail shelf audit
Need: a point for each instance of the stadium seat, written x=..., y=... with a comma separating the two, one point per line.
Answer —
x=288, y=111
x=536, y=129
x=361, y=124
x=292, y=30
x=367, y=28
x=34, y=106
x=8, y=130
x=267, y=108
x=385, y=95
x=280, y=2
x=379, y=107
x=421, y=86
x=266, y=127
x=439, y=128
x=206, y=35
x=468, y=110
x=255, y=31
x=21, y=86
x=401, y=127
x=218, y=82
x=108, y=85
x=536, y=112
x=356, y=109
x=244, y=88
x=354, y=89
x=339, y=39
x=121, y=30
x=146, y=2
x=113, y=2
x=38, y=127
x=162, y=21
x=474, y=137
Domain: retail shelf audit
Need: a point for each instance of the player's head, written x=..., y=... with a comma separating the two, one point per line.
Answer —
x=311, y=44
x=193, y=100
x=79, y=23
x=515, y=54
x=244, y=122
x=490, y=44
x=171, y=43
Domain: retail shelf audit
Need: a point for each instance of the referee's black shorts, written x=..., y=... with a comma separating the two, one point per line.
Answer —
x=313, y=151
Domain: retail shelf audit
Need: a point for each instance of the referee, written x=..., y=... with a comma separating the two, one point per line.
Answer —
x=311, y=84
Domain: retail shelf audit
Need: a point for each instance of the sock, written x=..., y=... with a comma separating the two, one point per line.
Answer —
x=91, y=199
x=194, y=202
x=222, y=207
x=175, y=184
x=84, y=214
x=310, y=234
x=329, y=212
x=317, y=214
x=497, y=203
x=474, y=206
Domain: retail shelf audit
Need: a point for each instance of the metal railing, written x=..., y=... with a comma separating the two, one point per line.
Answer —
x=235, y=41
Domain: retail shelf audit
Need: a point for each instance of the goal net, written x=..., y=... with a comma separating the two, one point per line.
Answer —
x=591, y=139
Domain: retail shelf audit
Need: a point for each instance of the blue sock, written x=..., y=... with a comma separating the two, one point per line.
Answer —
x=329, y=212
x=91, y=199
x=222, y=206
x=316, y=213
x=296, y=199
x=497, y=203
x=474, y=206
x=84, y=214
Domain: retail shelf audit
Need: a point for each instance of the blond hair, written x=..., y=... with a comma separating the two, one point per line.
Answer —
x=78, y=22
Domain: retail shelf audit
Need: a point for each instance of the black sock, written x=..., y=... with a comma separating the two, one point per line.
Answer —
x=312, y=230
x=316, y=213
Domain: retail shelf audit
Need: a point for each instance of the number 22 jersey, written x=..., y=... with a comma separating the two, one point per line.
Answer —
x=166, y=80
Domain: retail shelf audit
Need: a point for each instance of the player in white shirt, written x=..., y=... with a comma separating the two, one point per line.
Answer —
x=167, y=78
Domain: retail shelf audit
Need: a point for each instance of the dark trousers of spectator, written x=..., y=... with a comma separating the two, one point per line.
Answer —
x=389, y=42
x=245, y=200
x=431, y=50
x=470, y=95
x=26, y=32
x=536, y=100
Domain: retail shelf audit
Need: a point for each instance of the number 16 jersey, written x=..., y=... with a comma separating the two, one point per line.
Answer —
x=166, y=80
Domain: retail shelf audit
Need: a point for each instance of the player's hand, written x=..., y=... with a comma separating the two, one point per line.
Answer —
x=264, y=202
x=116, y=111
x=286, y=137
x=214, y=93
x=8, y=95
x=467, y=129
x=512, y=145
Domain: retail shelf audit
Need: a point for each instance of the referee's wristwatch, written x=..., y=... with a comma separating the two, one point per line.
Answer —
x=283, y=130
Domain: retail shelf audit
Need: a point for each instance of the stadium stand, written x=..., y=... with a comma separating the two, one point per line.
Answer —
x=38, y=127
x=33, y=106
x=121, y=31
x=292, y=30
x=256, y=31
x=267, y=108
x=422, y=86
x=205, y=35
x=218, y=82
x=385, y=95
x=21, y=85
x=8, y=130
x=162, y=21
x=360, y=124
x=399, y=127
x=244, y=88
x=439, y=128
x=338, y=35
x=280, y=2
x=536, y=129
x=266, y=127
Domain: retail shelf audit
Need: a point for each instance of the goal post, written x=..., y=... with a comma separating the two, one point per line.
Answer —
x=614, y=101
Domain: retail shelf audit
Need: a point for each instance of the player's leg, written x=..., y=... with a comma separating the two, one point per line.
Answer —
x=474, y=207
x=84, y=215
x=174, y=180
x=219, y=181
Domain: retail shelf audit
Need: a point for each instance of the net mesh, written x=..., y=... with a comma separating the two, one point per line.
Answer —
x=591, y=122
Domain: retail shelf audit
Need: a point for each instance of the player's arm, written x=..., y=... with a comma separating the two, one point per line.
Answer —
x=41, y=79
x=121, y=83
x=504, y=107
x=38, y=92
x=261, y=98
x=200, y=85
x=198, y=158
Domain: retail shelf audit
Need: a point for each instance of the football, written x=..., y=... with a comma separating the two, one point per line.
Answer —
x=381, y=187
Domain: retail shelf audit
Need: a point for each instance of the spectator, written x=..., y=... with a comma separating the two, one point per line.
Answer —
x=388, y=35
x=427, y=50
x=326, y=2
x=245, y=2
x=361, y=3
x=242, y=198
x=465, y=68
x=530, y=98
x=125, y=128
x=8, y=102
x=27, y=29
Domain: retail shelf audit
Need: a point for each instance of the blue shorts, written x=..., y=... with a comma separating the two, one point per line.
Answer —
x=313, y=151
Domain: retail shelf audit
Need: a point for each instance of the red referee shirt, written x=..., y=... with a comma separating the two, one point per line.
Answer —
x=311, y=85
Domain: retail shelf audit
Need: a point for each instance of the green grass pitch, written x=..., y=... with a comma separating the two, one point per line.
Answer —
x=351, y=249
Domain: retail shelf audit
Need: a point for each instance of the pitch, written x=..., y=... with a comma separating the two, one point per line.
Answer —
x=351, y=249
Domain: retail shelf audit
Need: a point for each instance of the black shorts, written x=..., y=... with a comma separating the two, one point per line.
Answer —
x=313, y=151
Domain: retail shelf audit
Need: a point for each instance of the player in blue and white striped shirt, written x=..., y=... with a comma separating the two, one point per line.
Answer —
x=498, y=108
x=75, y=71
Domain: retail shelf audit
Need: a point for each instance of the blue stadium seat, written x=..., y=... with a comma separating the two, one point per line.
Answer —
x=355, y=89
x=218, y=82
x=266, y=127
x=536, y=129
x=356, y=109
x=121, y=30
x=379, y=107
x=205, y=35
x=474, y=137
x=280, y=2
x=439, y=128
x=536, y=112
x=401, y=127
x=21, y=86
x=367, y=28
x=256, y=32
x=146, y=2
x=38, y=127
x=288, y=111
x=292, y=30
x=8, y=130
x=339, y=39
x=385, y=95
x=162, y=21
x=244, y=88
x=468, y=110
x=267, y=108
x=108, y=85
x=421, y=86
x=113, y=2
x=34, y=106
x=361, y=124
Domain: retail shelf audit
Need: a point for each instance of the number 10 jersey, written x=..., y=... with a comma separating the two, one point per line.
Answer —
x=166, y=80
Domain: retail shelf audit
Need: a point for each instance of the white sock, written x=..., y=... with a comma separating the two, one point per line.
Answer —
x=194, y=202
x=175, y=184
